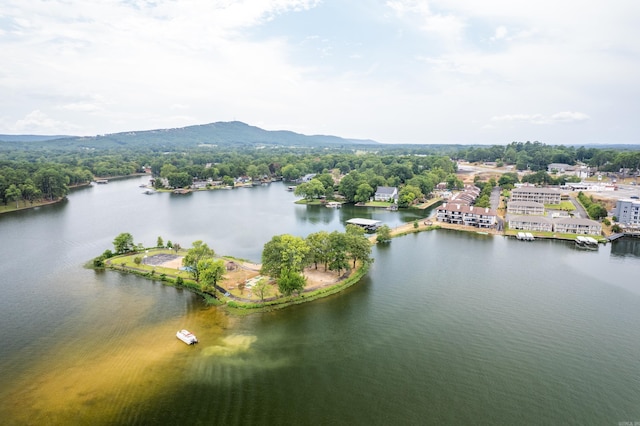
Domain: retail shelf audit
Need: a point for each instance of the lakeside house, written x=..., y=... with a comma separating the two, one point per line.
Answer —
x=386, y=193
x=538, y=195
x=464, y=214
x=307, y=178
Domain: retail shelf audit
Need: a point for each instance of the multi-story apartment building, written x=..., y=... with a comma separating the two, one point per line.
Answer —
x=627, y=211
x=539, y=195
x=463, y=214
x=525, y=207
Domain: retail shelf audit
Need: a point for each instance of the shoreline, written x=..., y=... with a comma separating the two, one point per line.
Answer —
x=323, y=283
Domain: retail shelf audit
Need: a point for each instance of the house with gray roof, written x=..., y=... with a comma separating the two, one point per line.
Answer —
x=386, y=193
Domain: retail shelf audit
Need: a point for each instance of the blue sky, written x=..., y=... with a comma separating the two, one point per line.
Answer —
x=396, y=71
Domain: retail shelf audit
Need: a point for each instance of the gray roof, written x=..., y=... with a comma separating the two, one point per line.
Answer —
x=525, y=204
x=578, y=221
x=535, y=189
x=386, y=190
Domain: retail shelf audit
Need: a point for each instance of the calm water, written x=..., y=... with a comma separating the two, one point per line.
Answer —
x=448, y=328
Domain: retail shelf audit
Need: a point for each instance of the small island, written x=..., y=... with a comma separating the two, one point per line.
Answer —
x=294, y=270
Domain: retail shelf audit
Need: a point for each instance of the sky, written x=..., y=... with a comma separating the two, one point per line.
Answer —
x=396, y=71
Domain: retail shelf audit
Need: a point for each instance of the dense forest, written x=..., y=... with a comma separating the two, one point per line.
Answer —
x=45, y=169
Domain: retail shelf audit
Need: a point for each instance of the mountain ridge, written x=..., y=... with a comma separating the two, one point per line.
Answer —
x=217, y=133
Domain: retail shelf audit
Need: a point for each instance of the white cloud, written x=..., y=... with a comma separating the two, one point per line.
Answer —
x=447, y=26
x=501, y=32
x=403, y=70
x=39, y=123
x=557, y=118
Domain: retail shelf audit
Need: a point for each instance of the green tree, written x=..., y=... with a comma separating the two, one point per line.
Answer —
x=290, y=172
x=29, y=191
x=180, y=180
x=211, y=271
x=408, y=194
x=261, y=288
x=123, y=243
x=508, y=180
x=359, y=247
x=284, y=253
x=318, y=243
x=383, y=234
x=363, y=193
x=327, y=181
x=597, y=211
x=198, y=251
x=159, y=242
x=290, y=281
x=13, y=193
x=168, y=169
x=349, y=185
x=51, y=182
x=310, y=190
x=338, y=249
x=252, y=171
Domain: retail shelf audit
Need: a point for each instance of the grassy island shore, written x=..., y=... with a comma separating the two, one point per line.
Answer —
x=238, y=291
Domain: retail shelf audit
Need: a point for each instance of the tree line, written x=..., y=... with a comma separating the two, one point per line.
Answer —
x=47, y=172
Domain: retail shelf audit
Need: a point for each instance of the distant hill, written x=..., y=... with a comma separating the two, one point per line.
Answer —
x=30, y=138
x=233, y=133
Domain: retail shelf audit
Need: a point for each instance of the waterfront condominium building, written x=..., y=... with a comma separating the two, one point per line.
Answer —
x=539, y=195
x=628, y=211
x=525, y=207
x=462, y=214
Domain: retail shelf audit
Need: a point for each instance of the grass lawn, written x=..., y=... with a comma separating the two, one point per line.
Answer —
x=564, y=205
x=378, y=204
x=315, y=202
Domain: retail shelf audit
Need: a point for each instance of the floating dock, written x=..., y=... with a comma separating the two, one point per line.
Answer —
x=525, y=236
x=586, y=242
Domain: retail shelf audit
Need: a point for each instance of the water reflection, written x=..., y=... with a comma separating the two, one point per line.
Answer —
x=626, y=247
x=315, y=215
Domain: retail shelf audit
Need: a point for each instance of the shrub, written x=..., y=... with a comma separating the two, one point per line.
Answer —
x=179, y=281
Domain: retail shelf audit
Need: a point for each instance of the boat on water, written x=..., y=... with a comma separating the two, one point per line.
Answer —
x=187, y=337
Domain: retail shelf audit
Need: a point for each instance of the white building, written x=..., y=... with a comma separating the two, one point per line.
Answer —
x=627, y=211
x=575, y=225
x=525, y=207
x=463, y=214
x=539, y=195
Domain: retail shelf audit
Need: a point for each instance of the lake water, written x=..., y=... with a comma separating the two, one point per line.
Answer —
x=447, y=328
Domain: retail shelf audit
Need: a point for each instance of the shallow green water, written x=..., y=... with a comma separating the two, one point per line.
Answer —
x=448, y=328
